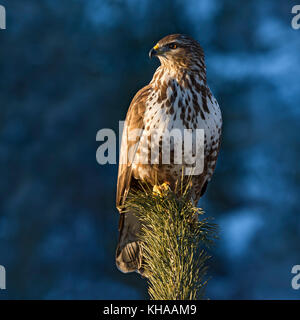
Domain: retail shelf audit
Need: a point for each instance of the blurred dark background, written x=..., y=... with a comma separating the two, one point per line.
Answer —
x=71, y=68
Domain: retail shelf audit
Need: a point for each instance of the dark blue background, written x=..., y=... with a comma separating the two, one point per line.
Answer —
x=70, y=68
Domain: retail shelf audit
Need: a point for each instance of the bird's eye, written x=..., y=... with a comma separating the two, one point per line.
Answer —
x=172, y=45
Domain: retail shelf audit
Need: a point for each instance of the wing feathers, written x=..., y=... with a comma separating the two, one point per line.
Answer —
x=134, y=120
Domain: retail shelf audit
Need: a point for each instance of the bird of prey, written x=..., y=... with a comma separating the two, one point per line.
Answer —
x=177, y=97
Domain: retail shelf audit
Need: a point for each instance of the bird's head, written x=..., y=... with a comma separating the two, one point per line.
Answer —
x=178, y=51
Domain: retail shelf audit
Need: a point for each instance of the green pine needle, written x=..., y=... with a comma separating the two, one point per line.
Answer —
x=173, y=241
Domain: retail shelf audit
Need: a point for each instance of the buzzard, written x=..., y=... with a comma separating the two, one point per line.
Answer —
x=177, y=97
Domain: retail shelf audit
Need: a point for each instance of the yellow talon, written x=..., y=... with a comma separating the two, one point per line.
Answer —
x=161, y=189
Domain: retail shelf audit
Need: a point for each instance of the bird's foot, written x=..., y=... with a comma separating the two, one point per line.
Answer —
x=162, y=189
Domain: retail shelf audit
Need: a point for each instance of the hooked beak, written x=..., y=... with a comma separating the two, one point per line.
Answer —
x=154, y=51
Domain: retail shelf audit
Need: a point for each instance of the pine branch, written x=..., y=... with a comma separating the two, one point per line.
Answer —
x=174, y=241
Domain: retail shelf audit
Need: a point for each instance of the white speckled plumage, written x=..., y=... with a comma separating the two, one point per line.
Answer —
x=176, y=98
